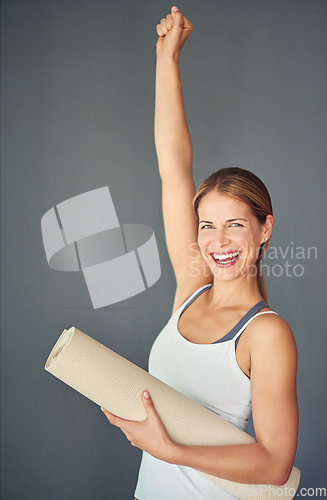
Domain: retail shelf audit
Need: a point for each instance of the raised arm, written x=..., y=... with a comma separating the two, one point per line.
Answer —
x=174, y=153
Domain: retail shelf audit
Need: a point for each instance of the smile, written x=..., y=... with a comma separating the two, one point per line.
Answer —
x=225, y=259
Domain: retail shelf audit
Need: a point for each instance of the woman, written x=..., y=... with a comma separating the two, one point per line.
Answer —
x=215, y=246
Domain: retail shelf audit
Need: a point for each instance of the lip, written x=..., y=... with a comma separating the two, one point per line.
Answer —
x=227, y=264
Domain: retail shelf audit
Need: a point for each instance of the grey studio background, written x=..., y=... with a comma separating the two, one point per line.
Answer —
x=77, y=114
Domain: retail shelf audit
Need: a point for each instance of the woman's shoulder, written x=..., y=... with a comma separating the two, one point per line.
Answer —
x=268, y=331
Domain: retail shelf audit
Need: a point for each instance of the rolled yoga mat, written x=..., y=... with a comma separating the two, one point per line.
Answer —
x=116, y=384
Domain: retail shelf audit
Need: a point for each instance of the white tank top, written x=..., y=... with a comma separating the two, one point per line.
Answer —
x=208, y=374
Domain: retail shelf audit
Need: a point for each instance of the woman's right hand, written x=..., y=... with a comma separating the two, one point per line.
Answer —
x=173, y=31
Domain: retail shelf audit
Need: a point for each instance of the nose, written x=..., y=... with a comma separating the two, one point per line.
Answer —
x=220, y=239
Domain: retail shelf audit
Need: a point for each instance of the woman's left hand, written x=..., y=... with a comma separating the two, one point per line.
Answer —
x=149, y=434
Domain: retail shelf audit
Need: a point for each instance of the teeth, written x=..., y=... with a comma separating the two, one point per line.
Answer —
x=225, y=256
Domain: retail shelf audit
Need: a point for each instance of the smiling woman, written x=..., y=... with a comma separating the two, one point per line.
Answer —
x=223, y=346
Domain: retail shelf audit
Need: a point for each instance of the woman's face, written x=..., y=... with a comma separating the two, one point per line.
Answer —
x=229, y=235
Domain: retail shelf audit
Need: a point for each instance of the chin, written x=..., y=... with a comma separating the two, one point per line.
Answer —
x=233, y=272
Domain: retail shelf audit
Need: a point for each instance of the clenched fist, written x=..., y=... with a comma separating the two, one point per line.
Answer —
x=173, y=31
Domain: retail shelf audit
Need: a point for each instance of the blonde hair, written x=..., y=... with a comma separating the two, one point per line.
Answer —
x=244, y=186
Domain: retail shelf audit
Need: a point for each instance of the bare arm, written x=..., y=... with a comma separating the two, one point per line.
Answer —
x=275, y=414
x=174, y=153
x=172, y=137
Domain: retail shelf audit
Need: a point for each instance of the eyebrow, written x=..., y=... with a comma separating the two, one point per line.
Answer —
x=228, y=220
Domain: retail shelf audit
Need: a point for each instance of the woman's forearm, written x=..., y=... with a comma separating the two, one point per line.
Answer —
x=247, y=463
x=172, y=137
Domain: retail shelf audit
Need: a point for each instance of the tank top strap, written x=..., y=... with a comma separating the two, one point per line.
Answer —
x=248, y=320
x=193, y=297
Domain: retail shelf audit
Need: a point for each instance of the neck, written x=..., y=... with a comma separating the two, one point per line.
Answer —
x=243, y=290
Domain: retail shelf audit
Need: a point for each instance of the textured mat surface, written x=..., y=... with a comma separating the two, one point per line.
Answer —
x=113, y=382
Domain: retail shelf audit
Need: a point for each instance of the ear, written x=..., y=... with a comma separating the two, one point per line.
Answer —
x=267, y=229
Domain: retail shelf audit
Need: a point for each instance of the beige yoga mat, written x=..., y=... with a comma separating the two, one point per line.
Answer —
x=113, y=382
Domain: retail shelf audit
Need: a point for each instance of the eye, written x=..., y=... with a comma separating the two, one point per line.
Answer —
x=206, y=225
x=236, y=224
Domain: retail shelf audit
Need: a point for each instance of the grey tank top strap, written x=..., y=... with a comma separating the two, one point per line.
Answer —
x=238, y=334
x=235, y=330
x=194, y=296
